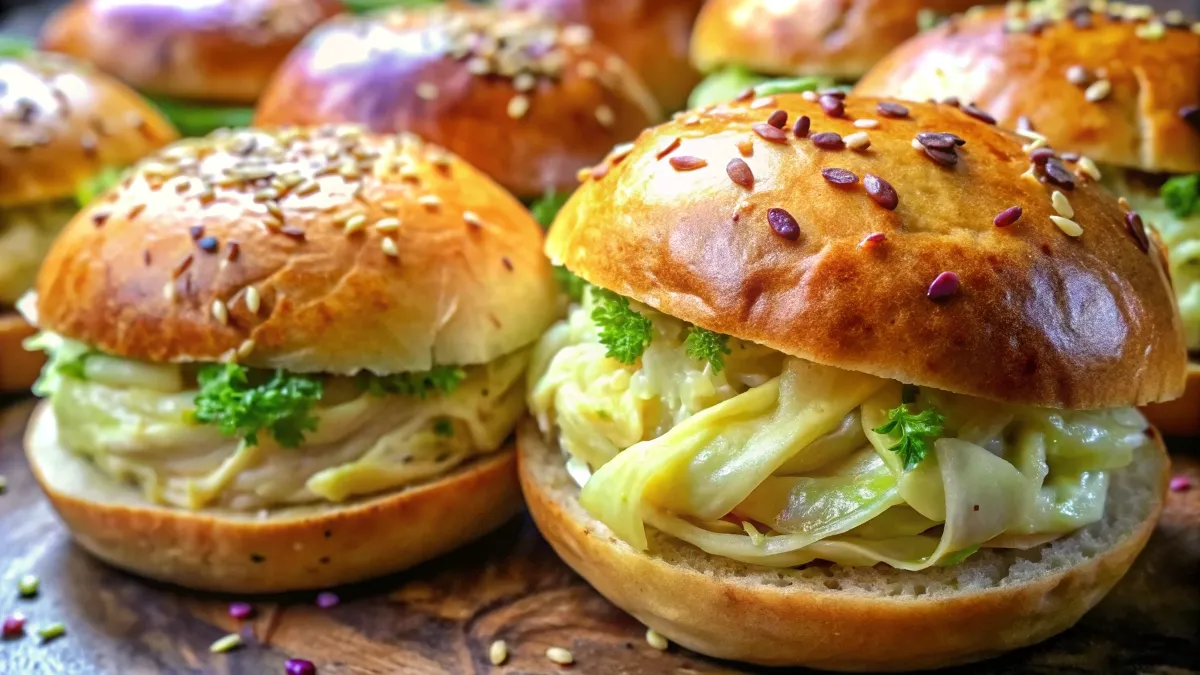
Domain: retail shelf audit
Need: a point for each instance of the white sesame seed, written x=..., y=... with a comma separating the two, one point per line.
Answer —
x=478, y=65
x=471, y=218
x=656, y=640
x=518, y=106
x=427, y=91
x=1078, y=76
x=576, y=35
x=763, y=102
x=1196, y=28
x=1062, y=205
x=524, y=82
x=1031, y=176
x=1030, y=134
x=1098, y=91
x=389, y=247
x=246, y=348
x=858, y=141
x=387, y=224
x=220, y=312
x=866, y=124
x=560, y=656
x=430, y=202
x=691, y=121
x=168, y=291
x=916, y=145
x=253, y=300
x=605, y=116
x=1035, y=144
x=355, y=223
x=1068, y=226
x=498, y=653
x=809, y=95
x=1089, y=168
x=1123, y=203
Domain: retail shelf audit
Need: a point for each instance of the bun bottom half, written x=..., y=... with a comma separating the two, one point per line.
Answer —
x=1180, y=417
x=19, y=368
x=289, y=549
x=848, y=619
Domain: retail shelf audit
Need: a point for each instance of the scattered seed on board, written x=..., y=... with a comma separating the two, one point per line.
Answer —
x=560, y=656
x=498, y=653
x=656, y=640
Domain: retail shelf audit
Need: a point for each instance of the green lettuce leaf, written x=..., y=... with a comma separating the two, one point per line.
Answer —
x=199, y=119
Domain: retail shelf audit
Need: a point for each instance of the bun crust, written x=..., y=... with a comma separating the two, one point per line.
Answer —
x=19, y=369
x=1019, y=73
x=220, y=52
x=841, y=40
x=529, y=113
x=63, y=122
x=290, y=549
x=1180, y=417
x=325, y=249
x=849, y=619
x=1039, y=317
x=652, y=36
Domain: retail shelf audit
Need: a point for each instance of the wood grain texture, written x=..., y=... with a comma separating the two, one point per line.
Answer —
x=443, y=616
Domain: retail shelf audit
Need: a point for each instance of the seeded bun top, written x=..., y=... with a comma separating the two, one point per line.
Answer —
x=651, y=35
x=1121, y=89
x=325, y=250
x=807, y=37
x=62, y=122
x=523, y=99
x=902, y=259
x=219, y=50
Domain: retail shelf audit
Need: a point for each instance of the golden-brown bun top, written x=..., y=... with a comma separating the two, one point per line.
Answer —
x=1122, y=89
x=328, y=250
x=62, y=122
x=1037, y=316
x=217, y=50
x=651, y=35
x=526, y=100
x=807, y=37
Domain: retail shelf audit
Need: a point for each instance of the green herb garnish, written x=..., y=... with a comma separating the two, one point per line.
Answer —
x=705, y=345
x=28, y=585
x=625, y=332
x=242, y=402
x=914, y=429
x=51, y=631
x=15, y=46
x=197, y=119
x=1181, y=195
x=572, y=286
x=547, y=207
x=226, y=644
x=440, y=379
x=98, y=184
x=791, y=85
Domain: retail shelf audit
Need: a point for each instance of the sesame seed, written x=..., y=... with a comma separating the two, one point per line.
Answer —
x=136, y=211
x=1136, y=228
x=518, y=106
x=832, y=105
x=168, y=291
x=253, y=300
x=1030, y=175
x=246, y=348
x=760, y=103
x=524, y=82
x=656, y=640
x=100, y=217
x=881, y=191
x=1154, y=30
x=1079, y=76
x=809, y=96
x=979, y=114
x=937, y=141
x=944, y=285
x=471, y=218
x=1088, y=168
x=745, y=147
x=739, y=172
x=893, y=110
x=560, y=656
x=389, y=247
x=866, y=124
x=769, y=133
x=687, y=163
x=430, y=202
x=605, y=116
x=858, y=141
x=355, y=223
x=778, y=119
x=1098, y=91
x=498, y=653
x=838, y=176
x=182, y=266
x=1068, y=226
x=1062, y=206
x=783, y=224
x=801, y=127
x=220, y=312
x=208, y=244
x=1007, y=217
x=916, y=145
x=387, y=224
x=872, y=240
x=1040, y=156
x=828, y=140
x=427, y=91
x=668, y=148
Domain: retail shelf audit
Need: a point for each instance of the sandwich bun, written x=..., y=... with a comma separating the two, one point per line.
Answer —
x=18, y=368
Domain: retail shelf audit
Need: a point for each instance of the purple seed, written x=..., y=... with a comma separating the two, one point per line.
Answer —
x=300, y=667
x=881, y=191
x=687, y=163
x=746, y=95
x=832, y=105
x=889, y=109
x=14, y=626
x=945, y=285
x=1191, y=115
x=943, y=157
x=241, y=610
x=769, y=133
x=951, y=100
x=1083, y=20
x=974, y=111
x=803, y=124
x=872, y=240
x=739, y=172
x=778, y=119
x=1070, y=157
x=326, y=599
x=1133, y=223
x=1041, y=156
x=208, y=244
x=1008, y=216
x=836, y=93
x=1180, y=483
x=1057, y=173
x=839, y=176
x=783, y=224
x=828, y=140
x=196, y=231
x=1024, y=123
x=936, y=141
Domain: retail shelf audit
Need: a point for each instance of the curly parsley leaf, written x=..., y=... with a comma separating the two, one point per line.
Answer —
x=244, y=402
x=572, y=286
x=624, y=331
x=705, y=345
x=914, y=429
x=1181, y=194
x=441, y=379
x=547, y=207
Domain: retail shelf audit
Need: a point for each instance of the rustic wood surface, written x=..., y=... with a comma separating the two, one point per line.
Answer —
x=442, y=617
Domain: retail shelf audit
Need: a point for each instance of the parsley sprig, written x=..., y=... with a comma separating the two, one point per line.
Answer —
x=1181, y=195
x=706, y=345
x=623, y=330
x=546, y=208
x=914, y=429
x=571, y=284
x=244, y=402
x=441, y=379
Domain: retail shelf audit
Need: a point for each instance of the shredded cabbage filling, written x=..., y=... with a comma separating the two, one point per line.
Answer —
x=777, y=461
x=136, y=422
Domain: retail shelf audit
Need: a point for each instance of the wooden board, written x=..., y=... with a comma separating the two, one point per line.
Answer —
x=442, y=617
